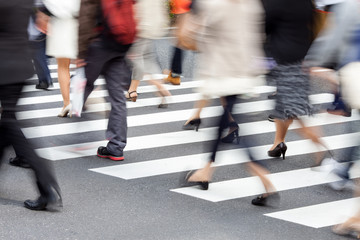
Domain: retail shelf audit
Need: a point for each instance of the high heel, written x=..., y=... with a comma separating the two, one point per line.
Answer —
x=204, y=185
x=192, y=124
x=65, y=111
x=232, y=135
x=279, y=150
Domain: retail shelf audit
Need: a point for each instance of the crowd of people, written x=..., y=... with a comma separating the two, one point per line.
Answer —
x=238, y=42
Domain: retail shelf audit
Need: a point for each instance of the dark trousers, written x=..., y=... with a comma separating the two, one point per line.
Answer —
x=11, y=135
x=176, y=62
x=112, y=65
x=223, y=124
x=38, y=49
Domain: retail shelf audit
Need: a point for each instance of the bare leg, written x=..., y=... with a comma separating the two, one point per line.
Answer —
x=310, y=133
x=281, y=130
x=261, y=172
x=202, y=175
x=199, y=105
x=64, y=79
x=133, y=88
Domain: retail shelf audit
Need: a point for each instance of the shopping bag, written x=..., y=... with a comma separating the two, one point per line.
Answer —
x=78, y=83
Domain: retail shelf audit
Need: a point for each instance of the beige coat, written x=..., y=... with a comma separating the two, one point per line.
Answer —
x=230, y=46
x=152, y=18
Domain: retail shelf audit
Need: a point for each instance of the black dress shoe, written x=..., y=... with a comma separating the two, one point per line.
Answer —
x=18, y=162
x=39, y=204
x=42, y=85
x=272, y=199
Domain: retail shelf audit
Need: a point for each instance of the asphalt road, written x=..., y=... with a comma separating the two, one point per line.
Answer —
x=142, y=197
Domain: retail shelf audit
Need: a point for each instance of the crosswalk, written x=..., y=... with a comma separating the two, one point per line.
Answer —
x=326, y=214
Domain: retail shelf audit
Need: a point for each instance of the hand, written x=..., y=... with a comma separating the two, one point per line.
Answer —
x=80, y=63
x=42, y=21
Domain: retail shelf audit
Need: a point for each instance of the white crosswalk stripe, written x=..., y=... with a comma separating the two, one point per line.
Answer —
x=336, y=211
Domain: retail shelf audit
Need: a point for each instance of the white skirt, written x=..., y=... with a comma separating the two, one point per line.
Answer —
x=227, y=86
x=62, y=38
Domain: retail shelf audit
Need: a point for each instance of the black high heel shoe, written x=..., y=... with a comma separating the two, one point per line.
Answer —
x=232, y=135
x=279, y=150
x=193, y=124
x=204, y=185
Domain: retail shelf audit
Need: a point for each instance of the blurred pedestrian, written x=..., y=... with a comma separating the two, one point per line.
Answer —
x=289, y=36
x=152, y=22
x=62, y=34
x=38, y=49
x=230, y=53
x=103, y=44
x=15, y=68
x=178, y=8
x=339, y=47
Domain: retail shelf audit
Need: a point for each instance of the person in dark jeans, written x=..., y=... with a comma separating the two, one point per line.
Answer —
x=15, y=68
x=101, y=54
x=37, y=42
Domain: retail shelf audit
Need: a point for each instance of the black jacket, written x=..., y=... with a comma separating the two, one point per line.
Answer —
x=15, y=58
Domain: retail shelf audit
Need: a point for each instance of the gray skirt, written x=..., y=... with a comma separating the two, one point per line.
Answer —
x=293, y=87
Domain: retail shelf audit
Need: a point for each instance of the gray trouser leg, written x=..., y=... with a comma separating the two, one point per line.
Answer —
x=117, y=74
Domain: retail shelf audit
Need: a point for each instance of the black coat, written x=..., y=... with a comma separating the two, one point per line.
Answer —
x=15, y=58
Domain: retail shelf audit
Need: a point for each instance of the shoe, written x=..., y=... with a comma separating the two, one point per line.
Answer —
x=18, y=162
x=38, y=204
x=340, y=108
x=131, y=98
x=233, y=134
x=175, y=80
x=49, y=196
x=272, y=199
x=66, y=111
x=203, y=185
x=163, y=94
x=42, y=85
x=192, y=124
x=104, y=153
x=279, y=150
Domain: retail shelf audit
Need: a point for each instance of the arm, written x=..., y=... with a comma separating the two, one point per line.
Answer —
x=87, y=22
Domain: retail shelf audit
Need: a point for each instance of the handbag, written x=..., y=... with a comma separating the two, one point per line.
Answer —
x=187, y=29
x=78, y=83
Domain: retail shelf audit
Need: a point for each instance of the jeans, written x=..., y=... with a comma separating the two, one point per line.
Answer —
x=38, y=47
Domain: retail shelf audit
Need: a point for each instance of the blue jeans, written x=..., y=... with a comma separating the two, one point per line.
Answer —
x=38, y=47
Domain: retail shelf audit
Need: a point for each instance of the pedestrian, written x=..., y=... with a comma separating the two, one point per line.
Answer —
x=38, y=48
x=15, y=68
x=152, y=22
x=62, y=41
x=178, y=8
x=288, y=38
x=103, y=45
x=230, y=44
x=339, y=47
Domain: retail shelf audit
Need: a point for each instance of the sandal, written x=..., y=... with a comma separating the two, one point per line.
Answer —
x=130, y=98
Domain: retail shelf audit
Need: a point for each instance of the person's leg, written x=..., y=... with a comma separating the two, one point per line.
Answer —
x=205, y=174
x=116, y=74
x=310, y=133
x=95, y=61
x=281, y=130
x=176, y=64
x=40, y=62
x=194, y=121
x=176, y=68
x=64, y=79
x=45, y=178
